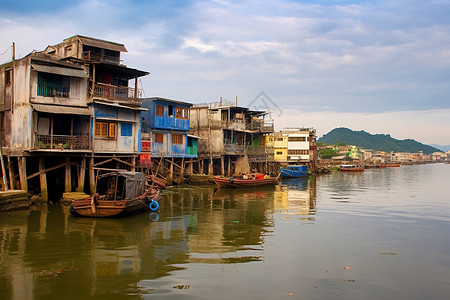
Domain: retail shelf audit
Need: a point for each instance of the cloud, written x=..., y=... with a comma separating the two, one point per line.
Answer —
x=351, y=57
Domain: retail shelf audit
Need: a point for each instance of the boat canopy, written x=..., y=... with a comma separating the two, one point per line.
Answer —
x=134, y=184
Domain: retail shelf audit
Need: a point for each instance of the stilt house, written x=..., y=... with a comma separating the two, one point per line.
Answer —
x=66, y=104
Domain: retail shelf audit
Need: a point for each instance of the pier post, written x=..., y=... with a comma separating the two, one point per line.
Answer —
x=222, y=166
x=229, y=167
x=82, y=175
x=91, y=176
x=43, y=180
x=23, y=173
x=68, y=177
x=133, y=162
x=210, y=168
x=12, y=174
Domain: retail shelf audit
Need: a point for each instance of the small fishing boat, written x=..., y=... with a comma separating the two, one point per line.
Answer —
x=248, y=180
x=294, y=171
x=123, y=193
x=393, y=165
x=351, y=168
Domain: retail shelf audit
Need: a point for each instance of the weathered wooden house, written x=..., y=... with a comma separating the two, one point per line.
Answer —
x=166, y=123
x=165, y=133
x=227, y=133
x=65, y=105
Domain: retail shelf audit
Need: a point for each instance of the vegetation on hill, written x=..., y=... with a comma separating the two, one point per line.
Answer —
x=379, y=142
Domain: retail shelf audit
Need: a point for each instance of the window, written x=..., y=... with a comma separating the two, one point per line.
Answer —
x=68, y=50
x=126, y=129
x=279, y=153
x=297, y=139
x=158, y=138
x=105, y=129
x=8, y=77
x=182, y=113
x=177, y=138
x=53, y=85
x=279, y=139
x=298, y=152
x=159, y=110
x=170, y=111
x=179, y=113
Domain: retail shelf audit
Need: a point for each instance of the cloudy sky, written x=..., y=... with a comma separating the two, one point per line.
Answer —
x=381, y=66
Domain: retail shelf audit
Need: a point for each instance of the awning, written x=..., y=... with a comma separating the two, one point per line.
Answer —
x=60, y=71
x=101, y=44
x=59, y=109
x=194, y=136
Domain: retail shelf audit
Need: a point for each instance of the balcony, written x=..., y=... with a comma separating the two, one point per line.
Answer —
x=260, y=125
x=234, y=149
x=61, y=142
x=108, y=59
x=122, y=94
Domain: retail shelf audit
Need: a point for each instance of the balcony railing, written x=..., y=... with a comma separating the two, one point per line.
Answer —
x=62, y=142
x=261, y=125
x=88, y=55
x=117, y=93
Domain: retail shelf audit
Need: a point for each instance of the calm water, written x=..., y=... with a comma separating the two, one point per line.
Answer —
x=381, y=234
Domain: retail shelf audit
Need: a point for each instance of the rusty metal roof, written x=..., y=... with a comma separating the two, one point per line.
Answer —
x=60, y=71
x=101, y=44
x=60, y=109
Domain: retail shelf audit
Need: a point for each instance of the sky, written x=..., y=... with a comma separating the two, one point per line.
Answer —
x=378, y=66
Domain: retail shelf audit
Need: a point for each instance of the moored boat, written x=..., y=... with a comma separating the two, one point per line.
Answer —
x=294, y=171
x=393, y=165
x=125, y=193
x=248, y=180
x=351, y=168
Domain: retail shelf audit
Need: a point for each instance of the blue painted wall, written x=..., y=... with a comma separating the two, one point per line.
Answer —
x=151, y=121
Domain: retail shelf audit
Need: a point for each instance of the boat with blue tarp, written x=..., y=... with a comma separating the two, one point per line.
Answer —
x=294, y=171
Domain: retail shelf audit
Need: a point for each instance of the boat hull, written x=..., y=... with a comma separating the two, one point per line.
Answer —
x=242, y=183
x=292, y=174
x=112, y=208
x=351, y=168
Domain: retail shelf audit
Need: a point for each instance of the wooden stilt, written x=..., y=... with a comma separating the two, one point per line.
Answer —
x=68, y=177
x=91, y=175
x=222, y=166
x=82, y=175
x=43, y=180
x=229, y=167
x=23, y=173
x=12, y=174
x=210, y=168
x=133, y=162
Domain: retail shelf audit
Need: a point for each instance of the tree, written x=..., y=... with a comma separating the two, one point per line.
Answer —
x=327, y=153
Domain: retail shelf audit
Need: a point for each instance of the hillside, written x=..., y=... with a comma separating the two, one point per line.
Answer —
x=380, y=142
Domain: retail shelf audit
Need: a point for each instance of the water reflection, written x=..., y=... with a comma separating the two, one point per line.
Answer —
x=45, y=252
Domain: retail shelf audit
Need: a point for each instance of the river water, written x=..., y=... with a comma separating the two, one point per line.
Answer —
x=380, y=234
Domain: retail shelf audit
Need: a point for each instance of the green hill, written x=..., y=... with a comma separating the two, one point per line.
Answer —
x=380, y=142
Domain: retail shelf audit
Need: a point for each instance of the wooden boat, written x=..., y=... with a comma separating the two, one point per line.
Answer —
x=351, y=168
x=249, y=180
x=294, y=171
x=125, y=193
x=393, y=165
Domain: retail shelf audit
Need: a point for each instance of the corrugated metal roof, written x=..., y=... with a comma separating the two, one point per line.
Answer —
x=60, y=71
x=59, y=109
x=102, y=44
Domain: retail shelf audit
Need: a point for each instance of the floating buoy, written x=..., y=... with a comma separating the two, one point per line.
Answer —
x=154, y=205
